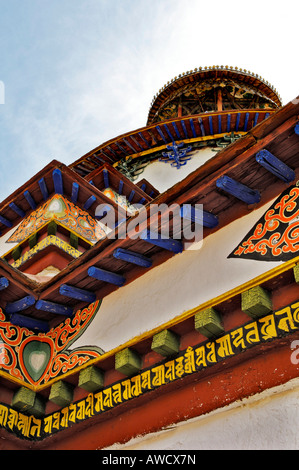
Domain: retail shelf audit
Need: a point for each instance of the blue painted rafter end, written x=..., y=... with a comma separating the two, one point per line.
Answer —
x=169, y=244
x=238, y=190
x=275, y=166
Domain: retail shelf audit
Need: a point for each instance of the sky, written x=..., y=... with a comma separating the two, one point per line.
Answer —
x=76, y=73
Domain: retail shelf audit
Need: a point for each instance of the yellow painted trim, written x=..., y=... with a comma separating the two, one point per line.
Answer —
x=186, y=141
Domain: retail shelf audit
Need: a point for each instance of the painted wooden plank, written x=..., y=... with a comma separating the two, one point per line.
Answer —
x=137, y=143
x=17, y=209
x=144, y=140
x=20, y=305
x=89, y=202
x=206, y=219
x=201, y=127
x=228, y=125
x=238, y=190
x=58, y=181
x=237, y=122
x=176, y=130
x=75, y=192
x=30, y=199
x=211, y=125
x=129, y=145
x=106, y=276
x=121, y=149
x=54, y=307
x=132, y=194
x=43, y=188
x=246, y=122
x=106, y=178
x=168, y=131
x=132, y=257
x=192, y=127
x=219, y=124
x=5, y=221
x=275, y=166
x=255, y=119
x=161, y=134
x=29, y=322
x=76, y=293
x=167, y=243
x=185, y=129
x=120, y=187
x=4, y=283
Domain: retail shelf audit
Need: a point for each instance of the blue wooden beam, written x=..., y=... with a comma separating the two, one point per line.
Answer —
x=43, y=188
x=120, y=187
x=89, y=202
x=76, y=293
x=4, y=283
x=228, y=123
x=246, y=121
x=144, y=140
x=201, y=127
x=255, y=119
x=17, y=209
x=168, y=131
x=30, y=200
x=53, y=307
x=239, y=190
x=211, y=125
x=184, y=129
x=28, y=322
x=167, y=243
x=219, y=124
x=237, y=122
x=132, y=257
x=129, y=145
x=75, y=192
x=106, y=178
x=58, y=182
x=176, y=130
x=20, y=305
x=132, y=194
x=121, y=148
x=106, y=276
x=192, y=127
x=161, y=134
x=206, y=219
x=5, y=222
x=137, y=143
x=275, y=166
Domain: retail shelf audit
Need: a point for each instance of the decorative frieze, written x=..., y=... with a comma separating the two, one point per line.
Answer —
x=187, y=362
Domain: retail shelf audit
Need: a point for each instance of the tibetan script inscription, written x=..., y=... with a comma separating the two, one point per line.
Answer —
x=192, y=360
